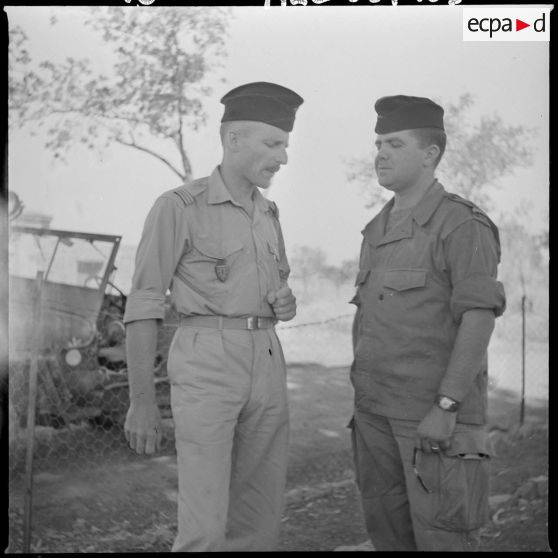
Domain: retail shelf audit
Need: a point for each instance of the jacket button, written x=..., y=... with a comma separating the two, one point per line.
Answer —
x=381, y=297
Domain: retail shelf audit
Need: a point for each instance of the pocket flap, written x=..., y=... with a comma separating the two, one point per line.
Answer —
x=210, y=249
x=404, y=279
x=361, y=277
x=470, y=445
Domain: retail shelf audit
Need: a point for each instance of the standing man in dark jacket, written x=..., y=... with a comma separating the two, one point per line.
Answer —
x=427, y=297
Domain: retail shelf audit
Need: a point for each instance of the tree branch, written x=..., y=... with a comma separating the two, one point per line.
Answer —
x=150, y=152
x=80, y=112
x=99, y=115
x=182, y=151
x=178, y=84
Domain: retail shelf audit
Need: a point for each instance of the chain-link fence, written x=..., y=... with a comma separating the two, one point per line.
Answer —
x=79, y=416
x=78, y=422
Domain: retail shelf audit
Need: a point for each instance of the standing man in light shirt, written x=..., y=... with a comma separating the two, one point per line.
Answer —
x=217, y=244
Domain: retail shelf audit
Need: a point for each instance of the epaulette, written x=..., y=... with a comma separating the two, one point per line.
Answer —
x=474, y=208
x=478, y=213
x=188, y=192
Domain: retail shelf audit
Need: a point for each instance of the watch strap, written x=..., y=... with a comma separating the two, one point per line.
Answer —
x=447, y=403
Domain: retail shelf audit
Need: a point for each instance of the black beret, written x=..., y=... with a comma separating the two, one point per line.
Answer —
x=263, y=102
x=401, y=112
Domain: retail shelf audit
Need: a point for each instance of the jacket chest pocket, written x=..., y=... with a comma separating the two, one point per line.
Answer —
x=398, y=288
x=402, y=280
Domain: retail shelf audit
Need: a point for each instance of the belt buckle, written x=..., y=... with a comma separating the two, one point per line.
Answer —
x=252, y=322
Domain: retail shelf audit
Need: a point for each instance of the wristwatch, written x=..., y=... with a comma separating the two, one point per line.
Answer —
x=447, y=403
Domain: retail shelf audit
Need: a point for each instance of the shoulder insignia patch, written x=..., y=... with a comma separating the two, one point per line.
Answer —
x=188, y=192
x=186, y=197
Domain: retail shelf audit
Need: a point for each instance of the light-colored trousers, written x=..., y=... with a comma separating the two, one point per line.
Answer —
x=229, y=405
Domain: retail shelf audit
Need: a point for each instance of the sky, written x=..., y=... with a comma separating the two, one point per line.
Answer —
x=340, y=60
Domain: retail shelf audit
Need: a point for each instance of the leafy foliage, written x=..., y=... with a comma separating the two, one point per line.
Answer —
x=307, y=262
x=161, y=60
x=524, y=265
x=479, y=154
x=344, y=273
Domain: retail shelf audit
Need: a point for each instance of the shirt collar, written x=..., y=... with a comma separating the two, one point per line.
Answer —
x=217, y=192
x=262, y=203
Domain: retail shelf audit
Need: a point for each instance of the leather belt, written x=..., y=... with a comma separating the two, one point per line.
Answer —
x=221, y=322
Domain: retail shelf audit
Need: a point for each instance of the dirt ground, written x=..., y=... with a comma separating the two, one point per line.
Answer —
x=128, y=504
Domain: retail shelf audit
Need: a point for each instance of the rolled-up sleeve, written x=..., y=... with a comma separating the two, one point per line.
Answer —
x=472, y=254
x=164, y=239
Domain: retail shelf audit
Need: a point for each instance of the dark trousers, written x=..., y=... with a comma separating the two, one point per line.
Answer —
x=399, y=512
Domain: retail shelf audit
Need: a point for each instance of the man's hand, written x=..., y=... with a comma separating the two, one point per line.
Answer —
x=435, y=430
x=283, y=302
x=143, y=428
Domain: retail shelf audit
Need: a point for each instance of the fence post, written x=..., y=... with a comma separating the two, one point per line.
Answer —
x=522, y=409
x=31, y=410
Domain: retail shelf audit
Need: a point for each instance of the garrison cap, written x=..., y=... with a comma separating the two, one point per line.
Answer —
x=401, y=112
x=263, y=102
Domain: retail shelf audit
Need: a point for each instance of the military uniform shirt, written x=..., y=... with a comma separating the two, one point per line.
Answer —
x=415, y=282
x=215, y=258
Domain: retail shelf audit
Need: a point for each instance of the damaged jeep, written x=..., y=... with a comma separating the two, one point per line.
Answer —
x=71, y=323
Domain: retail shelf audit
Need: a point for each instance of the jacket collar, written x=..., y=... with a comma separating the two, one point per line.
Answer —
x=426, y=207
x=421, y=214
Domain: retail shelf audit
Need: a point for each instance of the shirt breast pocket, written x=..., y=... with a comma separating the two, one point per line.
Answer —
x=211, y=251
x=274, y=262
x=210, y=267
x=273, y=251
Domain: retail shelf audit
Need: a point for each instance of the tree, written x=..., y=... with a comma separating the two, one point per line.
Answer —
x=479, y=154
x=162, y=58
x=524, y=266
x=307, y=263
x=341, y=274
